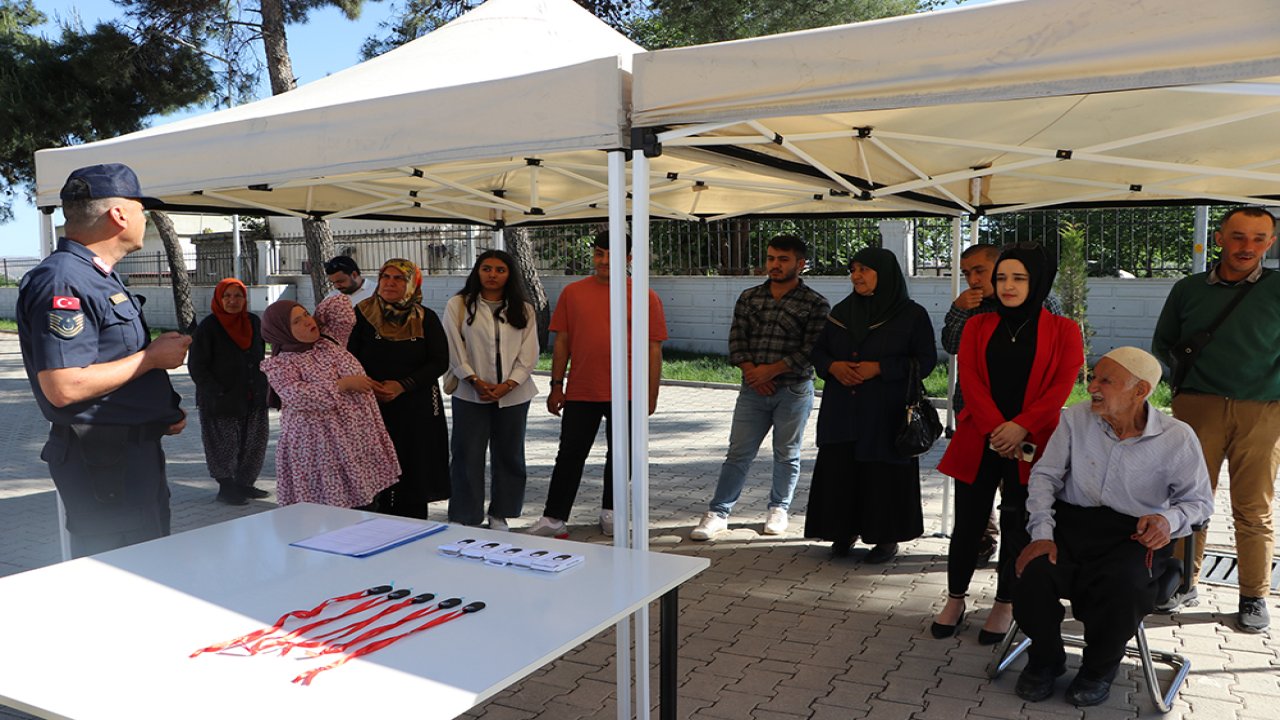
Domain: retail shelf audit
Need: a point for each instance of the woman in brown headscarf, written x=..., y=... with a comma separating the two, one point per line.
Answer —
x=402, y=345
x=231, y=392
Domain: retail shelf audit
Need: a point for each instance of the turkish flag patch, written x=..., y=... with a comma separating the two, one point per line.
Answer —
x=65, y=303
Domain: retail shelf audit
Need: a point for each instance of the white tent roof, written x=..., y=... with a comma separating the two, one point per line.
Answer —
x=1044, y=101
x=439, y=128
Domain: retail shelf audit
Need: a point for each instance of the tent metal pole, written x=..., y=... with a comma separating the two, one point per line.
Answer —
x=490, y=197
x=1200, y=248
x=640, y=406
x=618, y=410
x=249, y=203
x=917, y=171
x=809, y=159
x=235, y=247
x=668, y=136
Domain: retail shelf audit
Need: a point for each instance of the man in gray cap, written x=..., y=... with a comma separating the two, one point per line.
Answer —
x=97, y=376
x=1117, y=481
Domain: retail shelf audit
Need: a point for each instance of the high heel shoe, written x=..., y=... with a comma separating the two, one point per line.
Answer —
x=941, y=631
x=989, y=637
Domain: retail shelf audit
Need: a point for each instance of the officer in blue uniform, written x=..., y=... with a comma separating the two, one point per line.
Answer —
x=96, y=376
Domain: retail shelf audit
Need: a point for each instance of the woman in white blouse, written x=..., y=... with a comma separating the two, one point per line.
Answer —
x=493, y=349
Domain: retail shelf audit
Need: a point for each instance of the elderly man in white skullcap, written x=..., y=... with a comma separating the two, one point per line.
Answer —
x=1117, y=481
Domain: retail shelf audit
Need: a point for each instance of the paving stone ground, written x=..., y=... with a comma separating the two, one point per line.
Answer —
x=773, y=630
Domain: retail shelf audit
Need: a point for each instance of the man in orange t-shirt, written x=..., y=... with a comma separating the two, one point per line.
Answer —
x=581, y=325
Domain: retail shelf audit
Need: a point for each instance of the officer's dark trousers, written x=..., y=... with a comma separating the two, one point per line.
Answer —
x=1105, y=576
x=112, y=483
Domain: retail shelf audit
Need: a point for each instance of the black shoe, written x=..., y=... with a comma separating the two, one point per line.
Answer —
x=231, y=495
x=941, y=631
x=841, y=549
x=1253, y=616
x=252, y=492
x=986, y=550
x=987, y=637
x=1190, y=598
x=1087, y=692
x=1036, y=684
x=882, y=553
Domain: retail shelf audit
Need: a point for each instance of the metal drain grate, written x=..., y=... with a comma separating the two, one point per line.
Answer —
x=1220, y=569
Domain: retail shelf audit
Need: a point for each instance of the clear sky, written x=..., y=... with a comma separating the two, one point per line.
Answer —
x=326, y=44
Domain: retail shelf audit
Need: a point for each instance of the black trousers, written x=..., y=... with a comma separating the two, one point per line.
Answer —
x=580, y=421
x=973, y=511
x=1105, y=576
x=112, y=483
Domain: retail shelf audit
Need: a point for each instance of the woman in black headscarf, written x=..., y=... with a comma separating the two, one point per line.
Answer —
x=1017, y=368
x=862, y=488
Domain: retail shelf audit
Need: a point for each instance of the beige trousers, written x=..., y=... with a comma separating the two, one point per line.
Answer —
x=1244, y=433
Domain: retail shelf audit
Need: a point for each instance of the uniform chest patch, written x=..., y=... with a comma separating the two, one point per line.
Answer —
x=66, y=326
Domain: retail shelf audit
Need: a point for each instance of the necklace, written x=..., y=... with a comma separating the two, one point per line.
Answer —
x=1013, y=334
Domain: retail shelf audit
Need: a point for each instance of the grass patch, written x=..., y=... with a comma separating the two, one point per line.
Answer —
x=709, y=367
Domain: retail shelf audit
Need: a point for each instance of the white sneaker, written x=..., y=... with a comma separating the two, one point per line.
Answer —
x=777, y=522
x=606, y=522
x=711, y=524
x=497, y=523
x=549, y=527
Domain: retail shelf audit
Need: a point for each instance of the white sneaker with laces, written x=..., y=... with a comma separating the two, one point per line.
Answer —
x=549, y=527
x=497, y=523
x=711, y=524
x=606, y=522
x=776, y=524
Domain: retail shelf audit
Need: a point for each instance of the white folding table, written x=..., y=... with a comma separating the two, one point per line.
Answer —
x=110, y=636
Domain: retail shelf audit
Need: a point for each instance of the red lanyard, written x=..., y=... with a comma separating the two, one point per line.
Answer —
x=375, y=632
x=306, y=677
x=325, y=639
x=301, y=614
x=269, y=643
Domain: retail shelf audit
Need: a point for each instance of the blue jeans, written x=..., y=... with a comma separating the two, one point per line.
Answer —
x=477, y=427
x=785, y=411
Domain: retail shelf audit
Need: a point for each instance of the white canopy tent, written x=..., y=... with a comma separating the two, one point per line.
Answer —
x=1045, y=102
x=498, y=117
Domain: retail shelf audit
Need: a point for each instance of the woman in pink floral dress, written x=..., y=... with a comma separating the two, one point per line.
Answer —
x=333, y=448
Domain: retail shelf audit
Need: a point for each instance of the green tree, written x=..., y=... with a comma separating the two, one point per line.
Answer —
x=677, y=23
x=226, y=31
x=81, y=86
x=1072, y=283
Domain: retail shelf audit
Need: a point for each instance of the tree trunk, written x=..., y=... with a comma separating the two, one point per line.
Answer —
x=276, y=47
x=521, y=248
x=178, y=276
x=319, y=240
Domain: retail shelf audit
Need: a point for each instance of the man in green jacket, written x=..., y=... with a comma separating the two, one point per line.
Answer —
x=1231, y=395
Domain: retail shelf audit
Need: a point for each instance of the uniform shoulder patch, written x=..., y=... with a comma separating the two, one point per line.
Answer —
x=66, y=326
x=62, y=302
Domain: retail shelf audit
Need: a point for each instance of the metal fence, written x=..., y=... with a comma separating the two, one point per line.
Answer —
x=1143, y=242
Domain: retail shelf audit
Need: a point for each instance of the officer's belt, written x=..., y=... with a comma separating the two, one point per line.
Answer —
x=131, y=433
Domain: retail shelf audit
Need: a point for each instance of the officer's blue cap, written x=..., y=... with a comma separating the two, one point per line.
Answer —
x=106, y=181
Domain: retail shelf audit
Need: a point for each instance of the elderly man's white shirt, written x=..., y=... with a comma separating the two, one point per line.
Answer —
x=1160, y=471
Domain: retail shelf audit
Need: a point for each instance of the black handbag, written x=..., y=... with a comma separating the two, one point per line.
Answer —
x=921, y=427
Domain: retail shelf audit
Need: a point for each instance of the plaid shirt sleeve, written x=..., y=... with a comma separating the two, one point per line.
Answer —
x=739, y=351
x=952, y=327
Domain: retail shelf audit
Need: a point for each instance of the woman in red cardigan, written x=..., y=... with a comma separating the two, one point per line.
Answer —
x=1017, y=368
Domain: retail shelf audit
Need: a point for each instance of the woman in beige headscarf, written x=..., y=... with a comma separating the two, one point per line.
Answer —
x=402, y=345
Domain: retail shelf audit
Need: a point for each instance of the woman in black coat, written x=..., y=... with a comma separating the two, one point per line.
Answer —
x=402, y=346
x=862, y=488
x=231, y=392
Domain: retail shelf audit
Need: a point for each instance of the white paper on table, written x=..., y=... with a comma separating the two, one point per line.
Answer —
x=369, y=537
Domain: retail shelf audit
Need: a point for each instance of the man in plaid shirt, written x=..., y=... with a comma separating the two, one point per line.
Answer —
x=774, y=328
